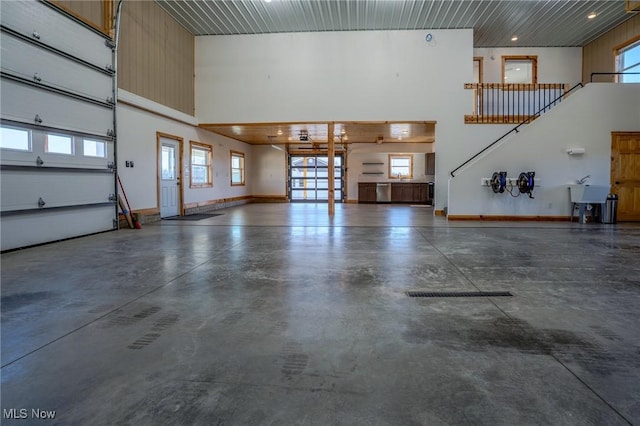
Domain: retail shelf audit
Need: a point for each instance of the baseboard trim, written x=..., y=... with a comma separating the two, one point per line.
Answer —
x=439, y=213
x=508, y=218
x=269, y=199
x=208, y=203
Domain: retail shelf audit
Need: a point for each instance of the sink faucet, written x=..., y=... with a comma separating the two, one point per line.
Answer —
x=584, y=179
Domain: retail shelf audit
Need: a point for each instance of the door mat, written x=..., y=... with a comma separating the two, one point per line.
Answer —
x=193, y=216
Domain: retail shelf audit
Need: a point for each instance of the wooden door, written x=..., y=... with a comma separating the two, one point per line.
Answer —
x=625, y=174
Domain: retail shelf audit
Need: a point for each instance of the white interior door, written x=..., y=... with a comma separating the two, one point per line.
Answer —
x=169, y=177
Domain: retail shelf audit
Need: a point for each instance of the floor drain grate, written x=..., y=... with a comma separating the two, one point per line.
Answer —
x=459, y=294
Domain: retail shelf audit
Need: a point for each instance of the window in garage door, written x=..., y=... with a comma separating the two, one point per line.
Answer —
x=14, y=138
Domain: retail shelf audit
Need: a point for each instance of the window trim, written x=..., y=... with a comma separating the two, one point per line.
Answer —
x=534, y=65
x=616, y=54
x=202, y=147
x=242, y=168
x=393, y=156
x=480, y=61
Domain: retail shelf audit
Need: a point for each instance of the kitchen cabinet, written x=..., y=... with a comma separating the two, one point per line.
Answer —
x=401, y=192
x=367, y=192
x=405, y=192
x=430, y=164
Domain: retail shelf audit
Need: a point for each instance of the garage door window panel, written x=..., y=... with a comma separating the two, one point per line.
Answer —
x=58, y=144
x=15, y=139
x=94, y=148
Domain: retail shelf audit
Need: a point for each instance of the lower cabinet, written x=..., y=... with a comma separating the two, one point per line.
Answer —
x=415, y=193
x=367, y=192
x=401, y=192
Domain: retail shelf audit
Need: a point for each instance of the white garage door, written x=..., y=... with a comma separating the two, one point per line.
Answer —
x=57, y=141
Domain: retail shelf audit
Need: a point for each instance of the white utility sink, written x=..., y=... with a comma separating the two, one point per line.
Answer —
x=591, y=194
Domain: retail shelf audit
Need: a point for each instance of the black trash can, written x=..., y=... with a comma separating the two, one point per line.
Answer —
x=610, y=214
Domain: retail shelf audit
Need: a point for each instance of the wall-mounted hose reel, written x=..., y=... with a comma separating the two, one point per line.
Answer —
x=498, y=182
x=526, y=182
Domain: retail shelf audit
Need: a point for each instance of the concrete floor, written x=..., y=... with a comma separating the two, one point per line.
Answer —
x=274, y=314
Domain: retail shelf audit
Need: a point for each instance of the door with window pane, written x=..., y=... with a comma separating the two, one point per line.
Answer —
x=309, y=178
x=169, y=177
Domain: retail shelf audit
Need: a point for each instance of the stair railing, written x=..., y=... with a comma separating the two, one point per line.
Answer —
x=515, y=129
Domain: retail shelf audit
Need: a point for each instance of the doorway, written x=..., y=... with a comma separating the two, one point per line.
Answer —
x=625, y=174
x=309, y=178
x=169, y=175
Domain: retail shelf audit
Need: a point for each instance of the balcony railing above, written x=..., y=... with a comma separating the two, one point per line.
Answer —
x=496, y=103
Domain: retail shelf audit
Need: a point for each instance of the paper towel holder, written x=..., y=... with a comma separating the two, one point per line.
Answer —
x=575, y=151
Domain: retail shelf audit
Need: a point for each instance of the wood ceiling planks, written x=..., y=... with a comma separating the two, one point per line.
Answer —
x=317, y=132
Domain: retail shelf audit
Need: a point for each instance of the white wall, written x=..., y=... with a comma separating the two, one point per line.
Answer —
x=585, y=119
x=137, y=142
x=555, y=64
x=341, y=76
x=368, y=153
x=269, y=172
x=359, y=76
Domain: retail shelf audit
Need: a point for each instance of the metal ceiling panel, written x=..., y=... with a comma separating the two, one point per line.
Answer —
x=537, y=23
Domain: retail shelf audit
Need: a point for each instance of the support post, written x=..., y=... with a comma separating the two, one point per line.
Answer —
x=331, y=153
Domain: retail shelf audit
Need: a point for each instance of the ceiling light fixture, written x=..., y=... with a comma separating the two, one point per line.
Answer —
x=592, y=15
x=514, y=38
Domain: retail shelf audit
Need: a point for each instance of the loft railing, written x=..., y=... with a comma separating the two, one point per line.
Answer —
x=496, y=103
x=530, y=118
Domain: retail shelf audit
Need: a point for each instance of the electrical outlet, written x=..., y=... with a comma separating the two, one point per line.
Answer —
x=485, y=181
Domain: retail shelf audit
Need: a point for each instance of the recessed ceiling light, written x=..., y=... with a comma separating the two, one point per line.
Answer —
x=514, y=38
x=267, y=1
x=592, y=15
x=517, y=69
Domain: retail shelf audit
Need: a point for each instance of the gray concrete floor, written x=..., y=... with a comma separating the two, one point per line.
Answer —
x=275, y=314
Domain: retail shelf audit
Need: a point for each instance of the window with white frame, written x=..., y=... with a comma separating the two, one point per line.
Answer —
x=58, y=144
x=201, y=165
x=628, y=61
x=14, y=138
x=400, y=166
x=237, y=168
x=94, y=148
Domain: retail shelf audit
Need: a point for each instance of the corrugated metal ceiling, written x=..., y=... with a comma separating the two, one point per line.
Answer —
x=537, y=23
